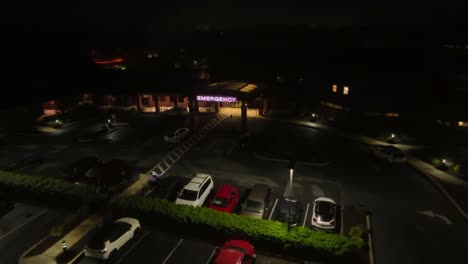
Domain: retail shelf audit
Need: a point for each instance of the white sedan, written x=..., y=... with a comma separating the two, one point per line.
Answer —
x=110, y=238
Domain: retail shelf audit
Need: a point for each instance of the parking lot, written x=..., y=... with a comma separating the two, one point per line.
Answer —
x=156, y=246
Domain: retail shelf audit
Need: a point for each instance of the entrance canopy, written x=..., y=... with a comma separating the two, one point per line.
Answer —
x=239, y=89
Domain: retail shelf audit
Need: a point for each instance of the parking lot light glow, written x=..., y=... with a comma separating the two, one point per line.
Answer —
x=393, y=135
x=444, y=161
x=108, y=120
x=313, y=115
x=57, y=121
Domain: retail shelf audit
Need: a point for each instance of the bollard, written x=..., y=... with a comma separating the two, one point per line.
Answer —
x=64, y=247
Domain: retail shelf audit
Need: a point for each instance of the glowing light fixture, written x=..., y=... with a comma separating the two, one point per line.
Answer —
x=345, y=90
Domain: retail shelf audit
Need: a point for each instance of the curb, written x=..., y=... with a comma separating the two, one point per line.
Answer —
x=369, y=240
x=442, y=190
x=21, y=257
x=298, y=162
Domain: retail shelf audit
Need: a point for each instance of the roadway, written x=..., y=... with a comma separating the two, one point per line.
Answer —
x=24, y=226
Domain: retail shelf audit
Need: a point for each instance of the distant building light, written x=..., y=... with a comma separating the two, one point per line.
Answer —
x=195, y=62
x=85, y=95
x=444, y=161
x=123, y=68
x=277, y=78
x=392, y=114
x=345, y=90
x=116, y=60
x=335, y=88
x=460, y=123
x=393, y=135
x=149, y=56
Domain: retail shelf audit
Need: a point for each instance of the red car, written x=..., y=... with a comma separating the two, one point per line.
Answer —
x=226, y=199
x=235, y=252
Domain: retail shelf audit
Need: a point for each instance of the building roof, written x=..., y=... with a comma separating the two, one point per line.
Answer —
x=240, y=89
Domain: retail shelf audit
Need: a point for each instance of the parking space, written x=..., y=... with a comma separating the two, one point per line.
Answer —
x=156, y=246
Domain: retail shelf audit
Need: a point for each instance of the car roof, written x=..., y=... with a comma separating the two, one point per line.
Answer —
x=225, y=191
x=324, y=199
x=258, y=192
x=196, y=182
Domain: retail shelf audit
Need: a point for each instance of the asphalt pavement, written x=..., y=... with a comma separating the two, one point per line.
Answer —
x=407, y=212
x=24, y=226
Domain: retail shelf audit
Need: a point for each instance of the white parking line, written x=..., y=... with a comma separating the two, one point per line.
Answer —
x=172, y=251
x=18, y=227
x=132, y=247
x=273, y=209
x=211, y=255
x=305, y=216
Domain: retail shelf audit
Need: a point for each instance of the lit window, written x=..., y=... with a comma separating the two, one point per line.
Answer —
x=345, y=90
x=335, y=88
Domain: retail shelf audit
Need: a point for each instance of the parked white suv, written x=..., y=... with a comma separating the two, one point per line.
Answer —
x=196, y=191
x=176, y=136
x=109, y=239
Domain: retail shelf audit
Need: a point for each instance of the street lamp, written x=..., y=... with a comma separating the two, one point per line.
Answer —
x=444, y=161
x=393, y=135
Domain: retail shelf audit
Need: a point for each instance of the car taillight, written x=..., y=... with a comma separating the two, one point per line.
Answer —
x=315, y=220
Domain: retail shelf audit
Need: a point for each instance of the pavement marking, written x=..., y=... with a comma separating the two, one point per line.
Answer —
x=432, y=214
x=306, y=213
x=369, y=240
x=132, y=247
x=172, y=251
x=273, y=209
x=442, y=189
x=23, y=224
x=211, y=255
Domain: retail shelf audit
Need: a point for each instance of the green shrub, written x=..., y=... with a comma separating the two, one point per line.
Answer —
x=436, y=162
x=56, y=231
x=272, y=232
x=46, y=188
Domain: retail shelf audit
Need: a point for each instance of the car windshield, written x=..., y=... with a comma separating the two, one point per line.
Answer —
x=188, y=195
x=219, y=201
x=254, y=206
x=325, y=210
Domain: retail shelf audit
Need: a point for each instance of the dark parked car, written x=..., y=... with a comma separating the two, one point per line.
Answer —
x=85, y=169
x=113, y=173
x=289, y=210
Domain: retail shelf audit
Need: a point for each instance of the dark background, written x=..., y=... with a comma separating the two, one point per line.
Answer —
x=47, y=44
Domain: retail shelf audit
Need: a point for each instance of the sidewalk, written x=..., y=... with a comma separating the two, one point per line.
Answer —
x=458, y=188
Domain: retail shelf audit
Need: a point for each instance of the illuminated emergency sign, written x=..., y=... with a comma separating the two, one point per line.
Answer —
x=204, y=98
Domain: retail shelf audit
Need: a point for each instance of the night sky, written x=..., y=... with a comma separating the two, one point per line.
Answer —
x=167, y=15
x=42, y=36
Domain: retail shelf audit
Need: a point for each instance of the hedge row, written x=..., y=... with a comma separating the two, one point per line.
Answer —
x=270, y=232
x=38, y=187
